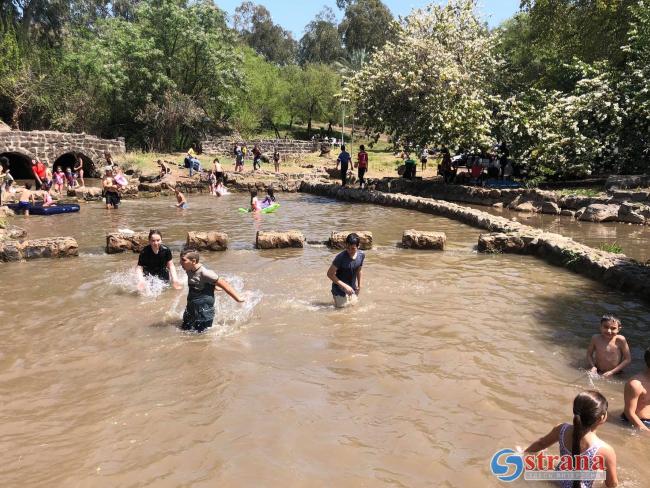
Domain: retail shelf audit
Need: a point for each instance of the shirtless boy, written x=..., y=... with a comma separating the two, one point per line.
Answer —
x=608, y=352
x=180, y=198
x=637, y=398
x=26, y=199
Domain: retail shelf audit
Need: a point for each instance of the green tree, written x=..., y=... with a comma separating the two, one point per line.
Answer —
x=315, y=96
x=321, y=42
x=257, y=29
x=366, y=25
x=262, y=101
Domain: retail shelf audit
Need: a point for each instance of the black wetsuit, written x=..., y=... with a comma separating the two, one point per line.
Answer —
x=155, y=264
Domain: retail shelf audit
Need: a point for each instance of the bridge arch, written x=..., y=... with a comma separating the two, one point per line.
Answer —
x=20, y=163
x=68, y=160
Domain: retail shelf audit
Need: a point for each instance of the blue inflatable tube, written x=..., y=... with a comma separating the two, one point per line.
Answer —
x=40, y=210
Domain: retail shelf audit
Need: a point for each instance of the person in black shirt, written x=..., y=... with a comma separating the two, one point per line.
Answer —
x=156, y=260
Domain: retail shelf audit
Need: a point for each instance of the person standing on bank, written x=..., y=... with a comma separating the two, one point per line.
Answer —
x=156, y=260
x=362, y=165
x=344, y=160
x=345, y=273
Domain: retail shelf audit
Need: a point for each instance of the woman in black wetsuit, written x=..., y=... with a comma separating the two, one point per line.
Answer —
x=156, y=260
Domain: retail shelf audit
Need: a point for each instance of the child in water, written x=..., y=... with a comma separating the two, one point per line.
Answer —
x=608, y=352
x=201, y=281
x=180, y=198
x=589, y=413
x=26, y=199
x=255, y=204
x=59, y=178
x=70, y=180
x=269, y=199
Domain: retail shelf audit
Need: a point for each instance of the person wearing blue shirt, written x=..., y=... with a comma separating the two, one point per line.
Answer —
x=345, y=273
x=344, y=160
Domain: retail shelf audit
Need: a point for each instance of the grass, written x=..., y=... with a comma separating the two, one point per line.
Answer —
x=382, y=161
x=583, y=192
x=611, y=247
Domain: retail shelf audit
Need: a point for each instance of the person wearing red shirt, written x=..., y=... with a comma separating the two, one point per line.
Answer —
x=362, y=165
x=39, y=171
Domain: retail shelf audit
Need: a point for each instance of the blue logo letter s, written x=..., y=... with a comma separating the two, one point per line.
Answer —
x=508, y=469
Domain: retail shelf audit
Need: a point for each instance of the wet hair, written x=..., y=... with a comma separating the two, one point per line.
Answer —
x=153, y=232
x=269, y=190
x=610, y=318
x=646, y=356
x=362, y=147
x=28, y=186
x=253, y=193
x=342, y=147
x=217, y=160
x=352, y=239
x=191, y=254
x=588, y=408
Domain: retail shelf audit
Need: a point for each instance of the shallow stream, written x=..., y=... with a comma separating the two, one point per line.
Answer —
x=449, y=357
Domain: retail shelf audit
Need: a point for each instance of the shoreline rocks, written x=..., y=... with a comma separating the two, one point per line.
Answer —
x=337, y=239
x=207, y=241
x=118, y=242
x=51, y=247
x=279, y=240
x=415, y=239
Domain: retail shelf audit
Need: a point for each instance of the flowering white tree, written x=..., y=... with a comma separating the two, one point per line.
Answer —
x=431, y=85
x=565, y=135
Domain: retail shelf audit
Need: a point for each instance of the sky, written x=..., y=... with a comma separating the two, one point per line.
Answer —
x=294, y=15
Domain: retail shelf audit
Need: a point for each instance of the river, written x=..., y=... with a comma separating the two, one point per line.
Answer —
x=449, y=357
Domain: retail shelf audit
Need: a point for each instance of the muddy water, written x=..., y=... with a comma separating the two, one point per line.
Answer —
x=448, y=358
x=632, y=238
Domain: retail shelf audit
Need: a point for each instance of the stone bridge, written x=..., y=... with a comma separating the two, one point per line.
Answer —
x=59, y=148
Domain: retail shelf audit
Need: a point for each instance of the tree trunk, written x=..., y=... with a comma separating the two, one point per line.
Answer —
x=277, y=132
x=329, y=129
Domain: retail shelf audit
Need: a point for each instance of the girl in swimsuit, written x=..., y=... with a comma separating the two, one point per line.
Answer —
x=59, y=178
x=579, y=438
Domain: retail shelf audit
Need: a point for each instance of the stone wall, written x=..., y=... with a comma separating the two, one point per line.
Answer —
x=286, y=147
x=617, y=206
x=52, y=145
x=614, y=270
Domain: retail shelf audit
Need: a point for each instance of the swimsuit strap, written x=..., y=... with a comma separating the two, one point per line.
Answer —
x=563, y=448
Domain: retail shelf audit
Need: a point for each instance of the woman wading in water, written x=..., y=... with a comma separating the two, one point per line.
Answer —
x=156, y=260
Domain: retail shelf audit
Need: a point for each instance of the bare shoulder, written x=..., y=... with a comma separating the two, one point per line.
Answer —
x=621, y=340
x=607, y=450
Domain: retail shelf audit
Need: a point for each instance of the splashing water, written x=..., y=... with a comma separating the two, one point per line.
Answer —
x=128, y=281
x=229, y=315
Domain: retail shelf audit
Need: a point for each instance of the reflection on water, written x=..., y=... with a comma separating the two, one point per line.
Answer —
x=448, y=357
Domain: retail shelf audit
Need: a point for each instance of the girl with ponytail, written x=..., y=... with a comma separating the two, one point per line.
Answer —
x=579, y=438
